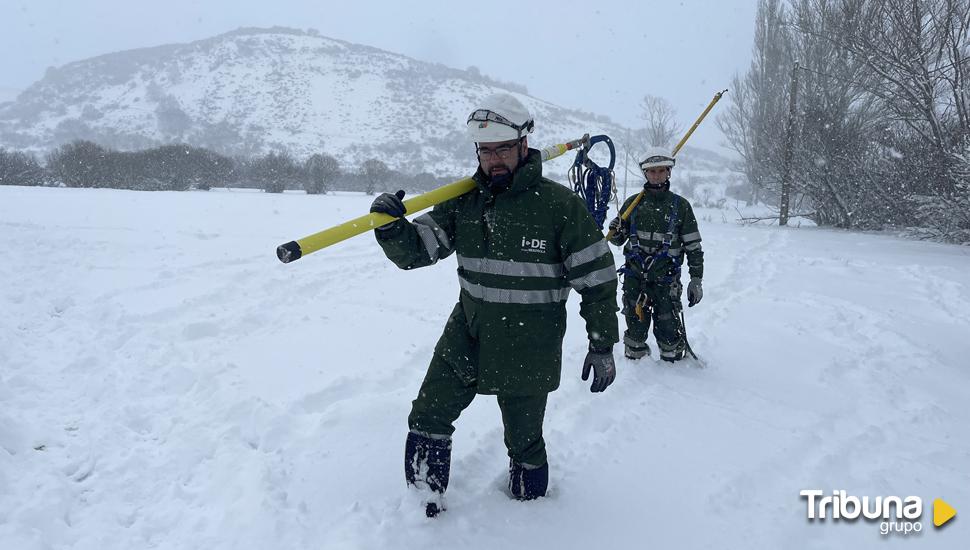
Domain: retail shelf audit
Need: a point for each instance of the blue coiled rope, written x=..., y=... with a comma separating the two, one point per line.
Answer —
x=592, y=182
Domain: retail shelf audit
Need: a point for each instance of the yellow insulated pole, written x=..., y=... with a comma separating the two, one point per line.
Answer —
x=294, y=250
x=629, y=210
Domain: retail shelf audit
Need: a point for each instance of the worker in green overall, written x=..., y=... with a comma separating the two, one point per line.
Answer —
x=656, y=237
x=522, y=242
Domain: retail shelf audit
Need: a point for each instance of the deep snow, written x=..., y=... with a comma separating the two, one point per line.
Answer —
x=165, y=382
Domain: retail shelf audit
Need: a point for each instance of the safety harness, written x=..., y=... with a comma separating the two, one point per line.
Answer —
x=637, y=255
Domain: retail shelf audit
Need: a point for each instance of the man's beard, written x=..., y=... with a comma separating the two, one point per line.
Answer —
x=499, y=179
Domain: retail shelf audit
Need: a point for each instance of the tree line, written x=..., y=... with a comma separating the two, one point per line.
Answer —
x=182, y=167
x=875, y=95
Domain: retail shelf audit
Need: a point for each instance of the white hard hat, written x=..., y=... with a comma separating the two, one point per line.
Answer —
x=500, y=117
x=656, y=158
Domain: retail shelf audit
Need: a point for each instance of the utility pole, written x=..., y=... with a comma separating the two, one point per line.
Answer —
x=626, y=166
x=789, y=150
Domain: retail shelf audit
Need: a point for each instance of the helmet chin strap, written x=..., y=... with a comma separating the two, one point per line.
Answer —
x=658, y=187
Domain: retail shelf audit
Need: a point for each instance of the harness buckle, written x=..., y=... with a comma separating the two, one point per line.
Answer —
x=642, y=307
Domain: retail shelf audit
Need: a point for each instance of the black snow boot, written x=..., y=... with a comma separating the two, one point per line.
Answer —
x=527, y=482
x=633, y=349
x=673, y=356
x=427, y=466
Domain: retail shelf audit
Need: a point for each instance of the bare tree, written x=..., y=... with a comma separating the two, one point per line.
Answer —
x=275, y=171
x=882, y=130
x=424, y=181
x=321, y=170
x=837, y=125
x=661, y=120
x=917, y=59
x=921, y=55
x=375, y=174
x=208, y=168
x=18, y=168
x=81, y=164
x=755, y=119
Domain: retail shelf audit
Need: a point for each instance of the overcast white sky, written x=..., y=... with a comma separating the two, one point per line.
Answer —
x=599, y=56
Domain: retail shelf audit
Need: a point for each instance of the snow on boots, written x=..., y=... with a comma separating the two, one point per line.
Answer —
x=527, y=482
x=633, y=349
x=427, y=466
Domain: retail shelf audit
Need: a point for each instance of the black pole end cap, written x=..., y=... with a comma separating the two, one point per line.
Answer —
x=289, y=252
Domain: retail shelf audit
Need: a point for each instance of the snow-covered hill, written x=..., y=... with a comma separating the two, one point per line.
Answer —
x=256, y=90
x=263, y=89
x=166, y=383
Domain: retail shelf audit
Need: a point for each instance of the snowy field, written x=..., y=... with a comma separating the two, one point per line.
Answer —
x=165, y=382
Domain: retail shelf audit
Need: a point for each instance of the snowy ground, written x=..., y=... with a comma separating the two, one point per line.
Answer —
x=165, y=382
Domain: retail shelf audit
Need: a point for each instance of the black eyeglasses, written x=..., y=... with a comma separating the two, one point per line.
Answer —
x=503, y=152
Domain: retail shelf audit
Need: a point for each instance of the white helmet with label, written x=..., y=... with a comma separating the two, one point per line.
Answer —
x=657, y=158
x=500, y=117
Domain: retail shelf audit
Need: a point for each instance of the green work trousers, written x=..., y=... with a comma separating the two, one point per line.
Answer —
x=443, y=396
x=660, y=302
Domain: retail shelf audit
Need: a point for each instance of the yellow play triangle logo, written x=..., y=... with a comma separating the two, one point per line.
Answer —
x=942, y=512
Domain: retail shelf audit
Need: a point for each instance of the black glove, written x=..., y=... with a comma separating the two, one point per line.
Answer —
x=604, y=369
x=694, y=292
x=616, y=226
x=389, y=204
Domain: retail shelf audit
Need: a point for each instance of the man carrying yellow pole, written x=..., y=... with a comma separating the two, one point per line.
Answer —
x=522, y=243
x=294, y=250
x=657, y=230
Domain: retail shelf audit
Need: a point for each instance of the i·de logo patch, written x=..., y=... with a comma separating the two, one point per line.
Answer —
x=533, y=245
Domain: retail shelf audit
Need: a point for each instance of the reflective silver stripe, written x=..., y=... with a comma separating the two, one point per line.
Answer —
x=693, y=246
x=598, y=277
x=656, y=249
x=695, y=236
x=634, y=342
x=649, y=236
x=439, y=233
x=513, y=269
x=586, y=255
x=431, y=436
x=508, y=296
x=429, y=240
